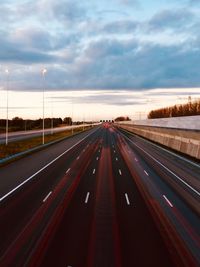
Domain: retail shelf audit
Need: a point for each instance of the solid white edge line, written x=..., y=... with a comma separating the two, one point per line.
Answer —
x=47, y=197
x=127, y=199
x=43, y=168
x=120, y=172
x=167, y=200
x=146, y=173
x=166, y=150
x=87, y=197
x=185, y=183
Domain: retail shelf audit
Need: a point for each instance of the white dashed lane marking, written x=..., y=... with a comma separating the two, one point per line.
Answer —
x=47, y=196
x=168, y=202
x=68, y=170
x=87, y=197
x=127, y=199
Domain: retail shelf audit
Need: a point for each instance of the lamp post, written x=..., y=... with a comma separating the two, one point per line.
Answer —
x=1, y=77
x=7, y=81
x=83, y=120
x=44, y=71
x=51, y=114
x=72, y=117
x=72, y=128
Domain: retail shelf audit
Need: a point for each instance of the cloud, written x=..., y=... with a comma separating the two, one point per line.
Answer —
x=82, y=51
x=135, y=3
x=125, y=98
x=107, y=47
x=24, y=57
x=118, y=65
x=113, y=64
x=33, y=32
x=13, y=13
x=120, y=27
x=194, y=2
x=41, y=40
x=171, y=19
x=34, y=45
x=10, y=52
x=42, y=12
x=111, y=99
x=63, y=11
x=33, y=38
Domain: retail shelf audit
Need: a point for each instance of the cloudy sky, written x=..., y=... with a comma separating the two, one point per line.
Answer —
x=104, y=58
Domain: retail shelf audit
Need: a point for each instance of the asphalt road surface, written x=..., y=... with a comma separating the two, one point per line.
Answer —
x=101, y=198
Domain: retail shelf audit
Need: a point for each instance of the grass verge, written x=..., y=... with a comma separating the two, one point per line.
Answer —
x=23, y=145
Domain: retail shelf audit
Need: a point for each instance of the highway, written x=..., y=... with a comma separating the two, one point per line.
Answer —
x=22, y=135
x=101, y=198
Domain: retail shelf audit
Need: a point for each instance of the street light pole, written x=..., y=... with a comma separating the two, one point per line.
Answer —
x=83, y=119
x=51, y=114
x=43, y=74
x=7, y=81
x=72, y=117
x=1, y=83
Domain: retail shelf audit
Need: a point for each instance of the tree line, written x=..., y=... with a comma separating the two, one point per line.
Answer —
x=123, y=118
x=19, y=124
x=189, y=109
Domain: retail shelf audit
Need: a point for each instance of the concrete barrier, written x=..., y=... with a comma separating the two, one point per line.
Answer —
x=184, y=141
x=185, y=122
